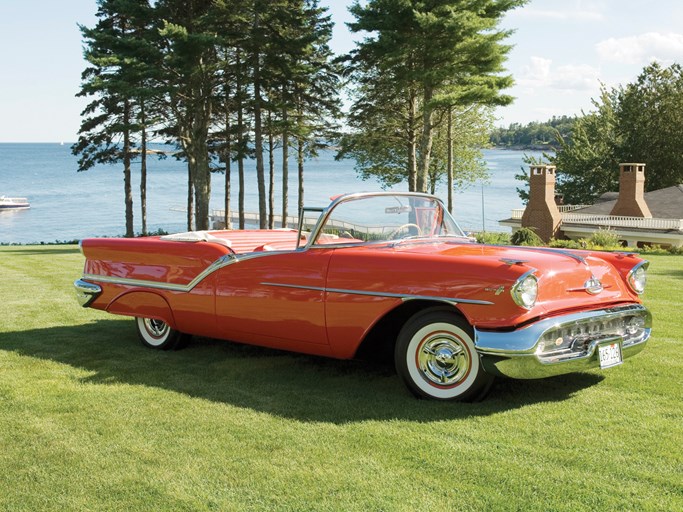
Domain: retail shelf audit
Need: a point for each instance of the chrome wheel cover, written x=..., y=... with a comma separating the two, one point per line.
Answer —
x=444, y=359
x=158, y=329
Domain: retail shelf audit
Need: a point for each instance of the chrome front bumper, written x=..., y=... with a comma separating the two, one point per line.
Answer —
x=86, y=292
x=563, y=344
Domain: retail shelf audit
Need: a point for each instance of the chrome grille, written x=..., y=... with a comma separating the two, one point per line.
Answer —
x=579, y=338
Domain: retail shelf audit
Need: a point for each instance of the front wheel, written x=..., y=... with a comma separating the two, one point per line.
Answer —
x=158, y=334
x=436, y=358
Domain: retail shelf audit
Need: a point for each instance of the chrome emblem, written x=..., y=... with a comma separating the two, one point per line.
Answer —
x=593, y=286
x=498, y=290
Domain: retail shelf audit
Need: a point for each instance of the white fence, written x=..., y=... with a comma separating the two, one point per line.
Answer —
x=610, y=221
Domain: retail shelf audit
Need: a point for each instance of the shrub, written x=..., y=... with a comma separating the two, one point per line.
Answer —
x=526, y=236
x=604, y=238
x=566, y=244
x=658, y=249
x=493, y=238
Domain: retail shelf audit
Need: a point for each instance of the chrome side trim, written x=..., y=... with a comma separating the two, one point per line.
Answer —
x=402, y=296
x=142, y=283
x=221, y=262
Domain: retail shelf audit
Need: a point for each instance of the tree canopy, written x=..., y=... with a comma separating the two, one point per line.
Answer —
x=419, y=62
x=640, y=122
x=217, y=78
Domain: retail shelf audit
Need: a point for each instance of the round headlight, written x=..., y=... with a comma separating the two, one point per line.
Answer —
x=637, y=277
x=525, y=290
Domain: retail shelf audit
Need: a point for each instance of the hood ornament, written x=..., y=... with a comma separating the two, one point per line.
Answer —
x=593, y=286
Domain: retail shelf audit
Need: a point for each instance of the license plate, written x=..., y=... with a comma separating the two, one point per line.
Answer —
x=610, y=355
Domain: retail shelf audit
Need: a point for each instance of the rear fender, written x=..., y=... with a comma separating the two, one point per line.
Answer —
x=142, y=304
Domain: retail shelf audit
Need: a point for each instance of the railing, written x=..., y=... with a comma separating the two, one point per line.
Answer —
x=564, y=208
x=623, y=222
x=610, y=221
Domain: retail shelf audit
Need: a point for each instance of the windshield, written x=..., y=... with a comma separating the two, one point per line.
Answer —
x=378, y=218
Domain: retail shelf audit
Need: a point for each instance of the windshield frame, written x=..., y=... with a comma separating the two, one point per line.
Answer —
x=327, y=212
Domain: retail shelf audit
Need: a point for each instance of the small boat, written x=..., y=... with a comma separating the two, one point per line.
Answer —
x=14, y=203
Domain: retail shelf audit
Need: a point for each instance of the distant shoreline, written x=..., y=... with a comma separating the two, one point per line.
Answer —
x=527, y=147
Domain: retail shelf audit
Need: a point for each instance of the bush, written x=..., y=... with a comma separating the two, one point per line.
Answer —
x=566, y=244
x=493, y=238
x=526, y=236
x=605, y=238
x=658, y=249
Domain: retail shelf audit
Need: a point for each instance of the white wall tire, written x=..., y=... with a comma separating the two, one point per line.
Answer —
x=158, y=334
x=436, y=358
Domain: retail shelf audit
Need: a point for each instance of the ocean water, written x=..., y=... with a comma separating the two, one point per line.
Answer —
x=68, y=205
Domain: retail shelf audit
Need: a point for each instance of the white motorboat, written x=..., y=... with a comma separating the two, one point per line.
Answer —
x=14, y=203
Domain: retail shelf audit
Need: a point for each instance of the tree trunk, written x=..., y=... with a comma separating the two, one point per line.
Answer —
x=258, y=130
x=271, y=174
x=449, y=164
x=143, y=170
x=412, y=144
x=127, y=187
x=240, y=142
x=226, y=157
x=190, y=198
x=426, y=142
x=285, y=169
x=201, y=175
x=300, y=165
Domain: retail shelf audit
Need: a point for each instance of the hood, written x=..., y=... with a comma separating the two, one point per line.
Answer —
x=566, y=279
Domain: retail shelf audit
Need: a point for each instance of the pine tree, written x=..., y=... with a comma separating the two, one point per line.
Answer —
x=113, y=78
x=190, y=80
x=430, y=56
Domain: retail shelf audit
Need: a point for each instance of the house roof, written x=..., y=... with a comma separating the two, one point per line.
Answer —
x=665, y=203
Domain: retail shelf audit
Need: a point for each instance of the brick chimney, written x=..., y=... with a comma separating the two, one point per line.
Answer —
x=541, y=211
x=631, y=201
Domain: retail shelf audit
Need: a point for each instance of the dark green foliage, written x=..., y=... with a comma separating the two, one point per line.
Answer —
x=641, y=122
x=566, y=244
x=588, y=165
x=526, y=236
x=222, y=78
x=535, y=135
x=119, y=61
x=421, y=65
x=605, y=238
x=493, y=238
x=650, y=127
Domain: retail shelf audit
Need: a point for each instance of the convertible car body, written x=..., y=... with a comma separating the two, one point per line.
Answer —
x=379, y=270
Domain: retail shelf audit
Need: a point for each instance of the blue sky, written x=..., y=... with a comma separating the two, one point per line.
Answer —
x=563, y=50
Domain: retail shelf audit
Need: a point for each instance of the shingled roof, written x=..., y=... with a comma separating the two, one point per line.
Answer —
x=665, y=203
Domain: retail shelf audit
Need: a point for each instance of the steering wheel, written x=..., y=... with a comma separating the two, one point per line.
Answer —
x=396, y=231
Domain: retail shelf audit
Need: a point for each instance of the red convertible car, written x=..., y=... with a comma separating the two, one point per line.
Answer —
x=374, y=270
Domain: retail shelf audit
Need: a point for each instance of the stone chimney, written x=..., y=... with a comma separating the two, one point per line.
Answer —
x=541, y=211
x=631, y=201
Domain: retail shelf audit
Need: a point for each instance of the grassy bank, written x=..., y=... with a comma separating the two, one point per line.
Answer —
x=90, y=420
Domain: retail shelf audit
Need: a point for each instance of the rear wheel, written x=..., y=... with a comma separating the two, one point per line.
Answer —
x=158, y=334
x=436, y=358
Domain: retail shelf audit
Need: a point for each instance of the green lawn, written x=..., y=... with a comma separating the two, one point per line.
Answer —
x=91, y=420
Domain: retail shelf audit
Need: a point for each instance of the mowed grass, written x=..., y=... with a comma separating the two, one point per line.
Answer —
x=91, y=420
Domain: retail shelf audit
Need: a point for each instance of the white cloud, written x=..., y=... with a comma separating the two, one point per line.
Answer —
x=540, y=73
x=642, y=49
